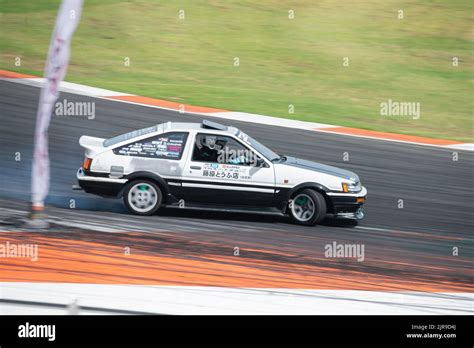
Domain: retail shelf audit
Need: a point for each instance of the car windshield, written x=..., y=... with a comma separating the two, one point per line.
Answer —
x=129, y=135
x=265, y=151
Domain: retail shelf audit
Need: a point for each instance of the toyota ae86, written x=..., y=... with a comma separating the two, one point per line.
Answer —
x=209, y=166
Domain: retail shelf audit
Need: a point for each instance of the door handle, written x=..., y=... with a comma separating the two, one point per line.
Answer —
x=196, y=167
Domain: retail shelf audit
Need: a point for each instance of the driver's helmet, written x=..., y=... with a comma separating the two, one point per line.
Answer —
x=210, y=141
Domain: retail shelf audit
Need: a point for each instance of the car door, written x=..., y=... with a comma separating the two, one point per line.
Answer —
x=221, y=170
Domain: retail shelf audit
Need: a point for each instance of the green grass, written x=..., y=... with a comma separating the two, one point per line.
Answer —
x=282, y=61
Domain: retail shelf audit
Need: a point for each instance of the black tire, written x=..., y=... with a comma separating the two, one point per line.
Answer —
x=319, y=204
x=149, y=189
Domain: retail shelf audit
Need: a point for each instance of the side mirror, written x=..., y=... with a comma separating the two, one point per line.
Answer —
x=261, y=163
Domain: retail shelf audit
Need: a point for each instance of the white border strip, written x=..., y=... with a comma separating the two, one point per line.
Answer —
x=200, y=300
x=225, y=187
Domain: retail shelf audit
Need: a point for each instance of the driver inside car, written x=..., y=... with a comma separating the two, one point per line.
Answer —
x=208, y=148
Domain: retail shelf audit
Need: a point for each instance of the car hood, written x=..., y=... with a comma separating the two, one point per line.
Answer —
x=321, y=168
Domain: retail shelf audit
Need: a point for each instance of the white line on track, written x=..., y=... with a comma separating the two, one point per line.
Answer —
x=217, y=300
x=104, y=94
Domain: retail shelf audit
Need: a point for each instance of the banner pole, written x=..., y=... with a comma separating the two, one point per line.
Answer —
x=54, y=72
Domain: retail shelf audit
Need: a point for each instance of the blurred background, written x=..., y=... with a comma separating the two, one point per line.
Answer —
x=334, y=61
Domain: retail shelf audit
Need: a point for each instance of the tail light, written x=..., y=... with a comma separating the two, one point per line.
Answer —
x=86, y=165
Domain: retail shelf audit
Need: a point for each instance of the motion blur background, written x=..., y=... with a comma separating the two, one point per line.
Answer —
x=290, y=53
x=418, y=257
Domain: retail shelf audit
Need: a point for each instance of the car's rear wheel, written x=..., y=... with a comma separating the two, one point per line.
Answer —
x=142, y=197
x=308, y=207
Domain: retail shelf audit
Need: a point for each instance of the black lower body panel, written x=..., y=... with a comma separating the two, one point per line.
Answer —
x=104, y=189
x=346, y=206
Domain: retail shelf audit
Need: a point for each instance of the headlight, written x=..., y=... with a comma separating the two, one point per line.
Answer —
x=353, y=187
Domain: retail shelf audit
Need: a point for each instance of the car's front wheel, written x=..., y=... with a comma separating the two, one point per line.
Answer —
x=142, y=197
x=308, y=207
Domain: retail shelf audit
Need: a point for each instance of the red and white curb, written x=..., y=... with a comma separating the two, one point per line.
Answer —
x=79, y=89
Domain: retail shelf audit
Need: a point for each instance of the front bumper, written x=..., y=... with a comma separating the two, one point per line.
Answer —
x=348, y=205
x=100, y=185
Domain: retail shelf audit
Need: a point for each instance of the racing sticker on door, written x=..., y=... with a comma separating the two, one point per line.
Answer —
x=168, y=146
x=225, y=171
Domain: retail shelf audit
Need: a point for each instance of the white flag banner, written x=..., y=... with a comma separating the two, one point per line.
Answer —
x=55, y=70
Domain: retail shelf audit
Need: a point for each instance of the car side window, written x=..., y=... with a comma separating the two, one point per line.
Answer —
x=221, y=149
x=165, y=146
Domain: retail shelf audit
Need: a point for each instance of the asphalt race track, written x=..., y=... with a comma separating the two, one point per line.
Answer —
x=412, y=246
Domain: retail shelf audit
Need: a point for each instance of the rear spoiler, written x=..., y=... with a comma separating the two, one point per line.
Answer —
x=91, y=144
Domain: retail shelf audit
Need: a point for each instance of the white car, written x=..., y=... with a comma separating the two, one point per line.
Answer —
x=209, y=166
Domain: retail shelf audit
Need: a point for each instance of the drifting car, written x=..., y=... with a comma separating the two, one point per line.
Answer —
x=210, y=166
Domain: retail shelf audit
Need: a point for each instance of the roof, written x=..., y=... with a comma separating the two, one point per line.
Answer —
x=207, y=126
